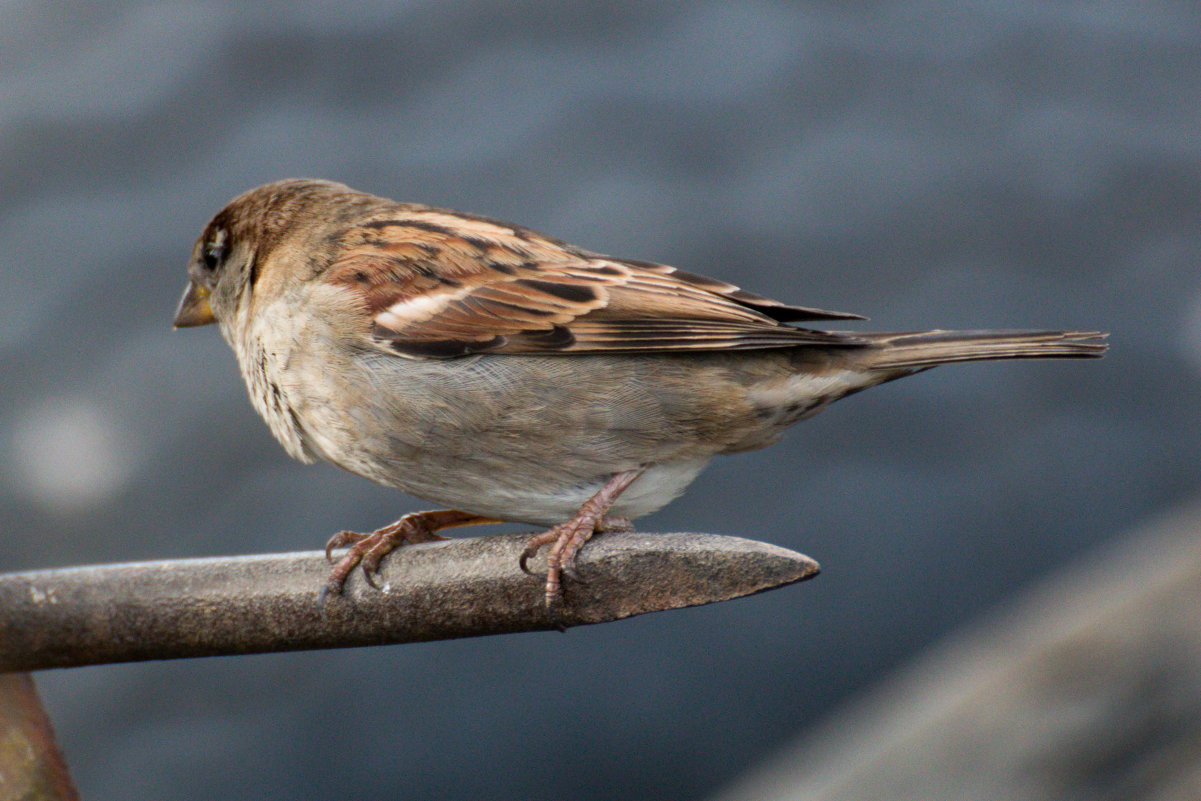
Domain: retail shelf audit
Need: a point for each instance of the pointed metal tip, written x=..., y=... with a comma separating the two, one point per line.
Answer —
x=439, y=590
x=630, y=574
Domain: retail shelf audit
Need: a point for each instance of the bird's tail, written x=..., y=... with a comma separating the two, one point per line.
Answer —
x=922, y=349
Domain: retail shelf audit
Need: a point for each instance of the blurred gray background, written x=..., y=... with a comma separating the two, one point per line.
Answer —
x=1001, y=163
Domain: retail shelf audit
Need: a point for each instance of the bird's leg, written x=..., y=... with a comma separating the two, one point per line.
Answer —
x=567, y=538
x=369, y=549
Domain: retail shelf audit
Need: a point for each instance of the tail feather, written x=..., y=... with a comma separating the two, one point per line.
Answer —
x=921, y=349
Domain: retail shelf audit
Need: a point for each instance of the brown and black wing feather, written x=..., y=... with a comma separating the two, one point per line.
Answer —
x=441, y=284
x=438, y=284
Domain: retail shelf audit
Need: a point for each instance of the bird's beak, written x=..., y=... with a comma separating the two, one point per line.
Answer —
x=194, y=307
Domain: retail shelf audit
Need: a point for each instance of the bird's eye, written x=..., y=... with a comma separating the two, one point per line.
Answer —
x=213, y=253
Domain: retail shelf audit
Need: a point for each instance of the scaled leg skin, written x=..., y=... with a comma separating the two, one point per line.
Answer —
x=567, y=538
x=369, y=549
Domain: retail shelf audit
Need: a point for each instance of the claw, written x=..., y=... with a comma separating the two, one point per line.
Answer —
x=375, y=554
x=369, y=577
x=556, y=620
x=371, y=561
x=341, y=540
x=534, y=545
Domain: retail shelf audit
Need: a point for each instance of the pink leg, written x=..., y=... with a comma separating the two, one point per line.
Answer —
x=567, y=538
x=369, y=550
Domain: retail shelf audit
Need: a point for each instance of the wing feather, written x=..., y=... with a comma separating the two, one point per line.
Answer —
x=437, y=284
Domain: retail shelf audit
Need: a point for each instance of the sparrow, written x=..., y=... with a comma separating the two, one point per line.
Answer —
x=511, y=376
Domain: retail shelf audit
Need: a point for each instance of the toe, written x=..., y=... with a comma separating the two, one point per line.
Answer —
x=337, y=577
x=341, y=540
x=370, y=576
x=554, y=593
x=533, y=546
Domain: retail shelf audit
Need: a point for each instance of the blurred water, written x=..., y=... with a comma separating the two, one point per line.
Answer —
x=930, y=164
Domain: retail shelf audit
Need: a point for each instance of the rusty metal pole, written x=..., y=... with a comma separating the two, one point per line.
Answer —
x=455, y=588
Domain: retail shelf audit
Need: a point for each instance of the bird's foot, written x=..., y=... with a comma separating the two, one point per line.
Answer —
x=368, y=550
x=567, y=538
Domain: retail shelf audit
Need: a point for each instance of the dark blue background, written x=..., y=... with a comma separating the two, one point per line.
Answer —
x=1003, y=163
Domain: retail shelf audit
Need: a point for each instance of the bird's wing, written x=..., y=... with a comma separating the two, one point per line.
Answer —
x=439, y=284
